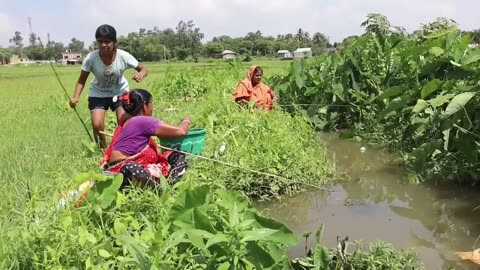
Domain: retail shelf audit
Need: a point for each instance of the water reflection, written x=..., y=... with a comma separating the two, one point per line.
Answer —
x=376, y=203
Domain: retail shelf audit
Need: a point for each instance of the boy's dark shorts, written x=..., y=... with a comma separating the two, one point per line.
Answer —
x=96, y=103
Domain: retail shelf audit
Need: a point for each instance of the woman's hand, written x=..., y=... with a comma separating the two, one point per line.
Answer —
x=73, y=102
x=187, y=119
x=171, y=131
x=242, y=101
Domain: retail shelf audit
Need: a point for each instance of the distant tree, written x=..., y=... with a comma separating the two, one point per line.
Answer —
x=212, y=48
x=320, y=42
x=438, y=24
x=35, y=52
x=189, y=37
x=5, y=55
x=33, y=39
x=17, y=39
x=76, y=45
x=254, y=36
x=302, y=38
x=93, y=46
x=376, y=24
x=182, y=53
x=52, y=49
x=348, y=40
x=222, y=39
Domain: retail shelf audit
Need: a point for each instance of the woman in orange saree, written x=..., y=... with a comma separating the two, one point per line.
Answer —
x=252, y=89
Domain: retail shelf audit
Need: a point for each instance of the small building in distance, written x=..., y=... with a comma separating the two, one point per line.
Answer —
x=228, y=54
x=284, y=54
x=302, y=53
x=69, y=58
x=16, y=59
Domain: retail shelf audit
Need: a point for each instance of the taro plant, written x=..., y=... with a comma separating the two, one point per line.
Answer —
x=417, y=97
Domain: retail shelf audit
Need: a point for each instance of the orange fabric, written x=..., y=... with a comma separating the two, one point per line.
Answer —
x=261, y=93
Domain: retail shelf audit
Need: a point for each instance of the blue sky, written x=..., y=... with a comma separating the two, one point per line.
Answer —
x=337, y=19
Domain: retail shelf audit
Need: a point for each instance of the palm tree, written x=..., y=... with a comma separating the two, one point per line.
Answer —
x=302, y=37
x=320, y=40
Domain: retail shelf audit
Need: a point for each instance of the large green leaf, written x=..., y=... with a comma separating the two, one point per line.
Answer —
x=430, y=88
x=410, y=130
x=321, y=257
x=197, y=236
x=437, y=51
x=298, y=71
x=217, y=238
x=394, y=106
x=471, y=58
x=420, y=106
x=440, y=100
x=262, y=234
x=189, y=199
x=443, y=32
x=201, y=221
x=230, y=199
x=105, y=192
x=275, y=231
x=258, y=256
x=391, y=92
x=339, y=91
x=136, y=250
x=458, y=102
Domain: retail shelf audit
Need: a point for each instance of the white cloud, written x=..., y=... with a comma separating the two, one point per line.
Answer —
x=336, y=18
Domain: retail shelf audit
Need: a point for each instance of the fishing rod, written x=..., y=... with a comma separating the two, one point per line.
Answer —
x=74, y=108
x=315, y=104
x=284, y=179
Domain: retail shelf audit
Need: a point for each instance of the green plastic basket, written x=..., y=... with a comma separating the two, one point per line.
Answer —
x=192, y=143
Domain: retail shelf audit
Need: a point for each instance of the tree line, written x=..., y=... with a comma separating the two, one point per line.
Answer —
x=185, y=43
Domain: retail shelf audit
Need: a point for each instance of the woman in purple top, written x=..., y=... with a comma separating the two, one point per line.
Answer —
x=133, y=151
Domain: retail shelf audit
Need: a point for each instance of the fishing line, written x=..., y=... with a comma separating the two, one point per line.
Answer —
x=74, y=108
x=315, y=104
x=243, y=168
x=238, y=167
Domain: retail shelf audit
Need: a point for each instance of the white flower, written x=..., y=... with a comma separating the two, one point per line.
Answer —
x=222, y=148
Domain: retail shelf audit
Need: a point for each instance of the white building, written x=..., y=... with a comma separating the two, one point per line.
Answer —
x=302, y=53
x=227, y=54
x=284, y=54
x=69, y=58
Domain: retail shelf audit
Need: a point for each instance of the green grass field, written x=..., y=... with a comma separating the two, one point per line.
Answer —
x=45, y=151
x=42, y=138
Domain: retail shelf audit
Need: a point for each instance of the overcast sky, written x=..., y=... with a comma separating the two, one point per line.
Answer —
x=336, y=18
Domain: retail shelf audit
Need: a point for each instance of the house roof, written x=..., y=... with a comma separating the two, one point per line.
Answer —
x=70, y=53
x=283, y=51
x=228, y=52
x=303, y=49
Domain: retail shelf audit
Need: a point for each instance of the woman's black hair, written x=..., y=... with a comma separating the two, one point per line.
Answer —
x=138, y=97
x=106, y=31
x=257, y=69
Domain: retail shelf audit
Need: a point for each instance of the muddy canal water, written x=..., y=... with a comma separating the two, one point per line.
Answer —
x=376, y=203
